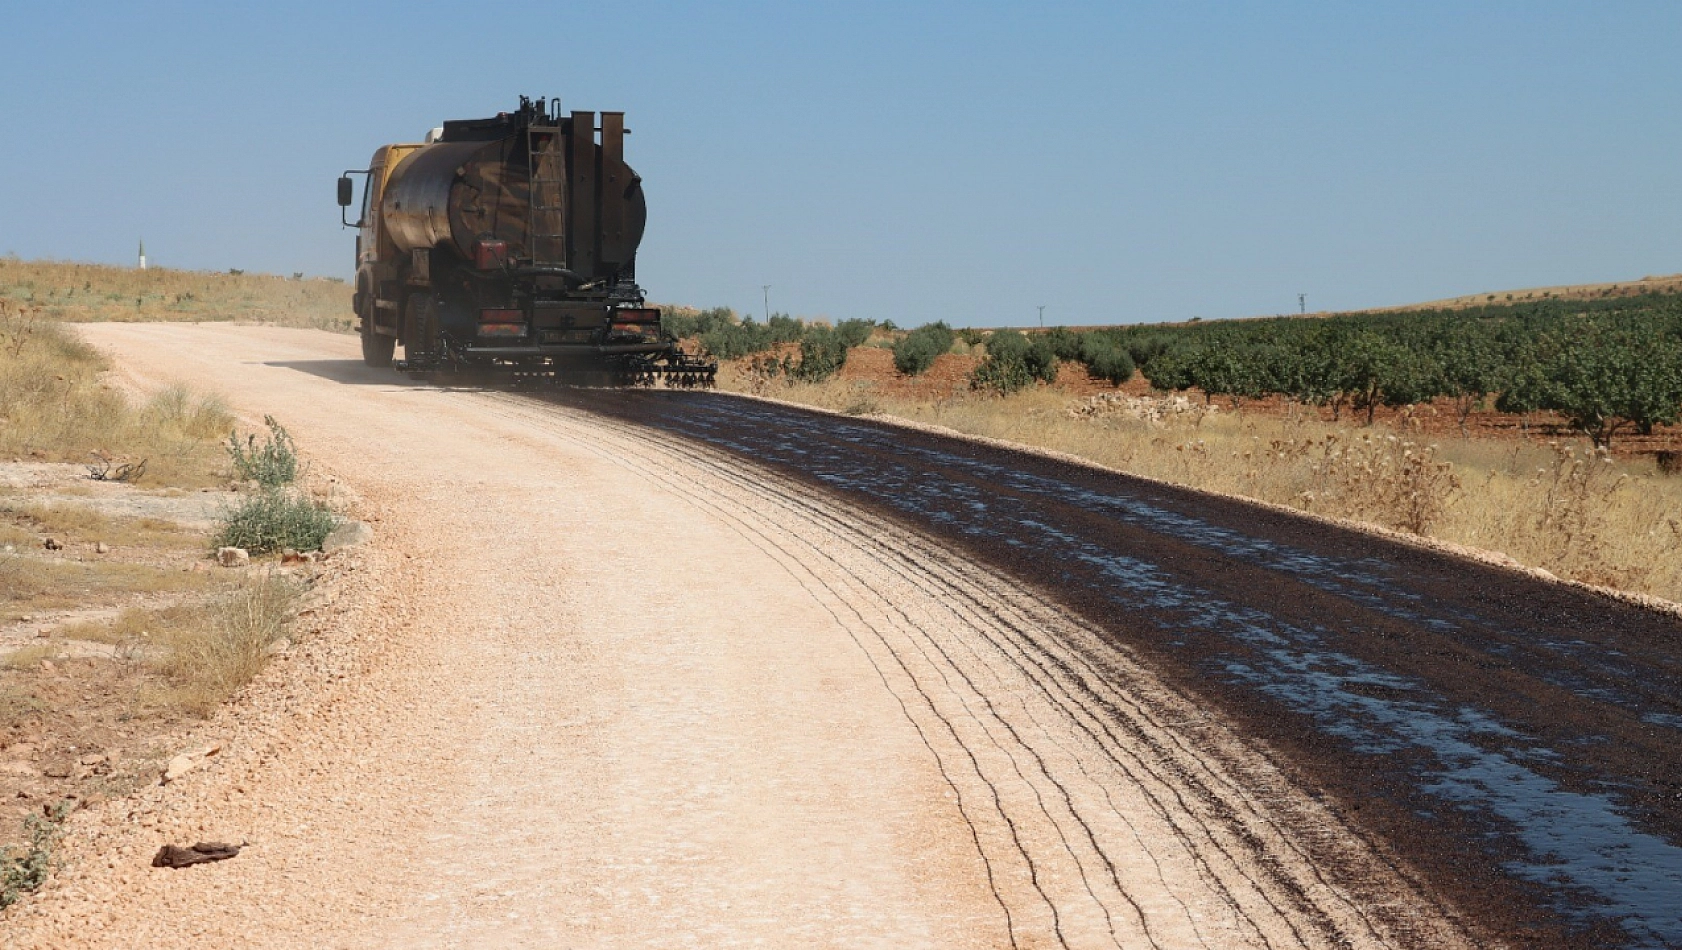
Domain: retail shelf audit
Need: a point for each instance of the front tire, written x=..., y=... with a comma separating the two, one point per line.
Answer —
x=377, y=348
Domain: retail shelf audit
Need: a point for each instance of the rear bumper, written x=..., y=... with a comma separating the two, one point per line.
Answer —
x=518, y=351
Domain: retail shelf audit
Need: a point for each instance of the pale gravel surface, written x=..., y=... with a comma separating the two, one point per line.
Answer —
x=593, y=686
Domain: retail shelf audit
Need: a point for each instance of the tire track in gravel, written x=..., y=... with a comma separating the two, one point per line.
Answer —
x=1226, y=846
x=761, y=537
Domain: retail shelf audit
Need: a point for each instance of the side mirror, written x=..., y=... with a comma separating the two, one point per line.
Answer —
x=347, y=191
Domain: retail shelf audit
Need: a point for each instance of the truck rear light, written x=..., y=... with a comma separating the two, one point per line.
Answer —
x=638, y=315
x=490, y=255
x=502, y=322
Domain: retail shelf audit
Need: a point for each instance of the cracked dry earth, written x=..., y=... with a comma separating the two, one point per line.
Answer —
x=594, y=685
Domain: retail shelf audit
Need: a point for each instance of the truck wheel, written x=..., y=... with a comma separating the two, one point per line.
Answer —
x=377, y=349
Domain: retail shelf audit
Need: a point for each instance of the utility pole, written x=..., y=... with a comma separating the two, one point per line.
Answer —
x=767, y=288
x=1302, y=303
x=1042, y=316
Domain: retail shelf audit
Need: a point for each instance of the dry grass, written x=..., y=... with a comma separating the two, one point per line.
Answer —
x=16, y=704
x=1562, y=508
x=71, y=523
x=54, y=406
x=209, y=651
x=33, y=583
x=31, y=656
x=15, y=536
x=131, y=628
x=205, y=648
x=72, y=292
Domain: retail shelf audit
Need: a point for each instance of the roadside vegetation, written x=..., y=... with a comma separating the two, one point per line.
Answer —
x=1606, y=366
x=917, y=350
x=201, y=651
x=116, y=623
x=24, y=867
x=1361, y=416
x=78, y=293
x=55, y=407
x=276, y=518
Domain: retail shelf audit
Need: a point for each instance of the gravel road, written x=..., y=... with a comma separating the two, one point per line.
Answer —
x=604, y=682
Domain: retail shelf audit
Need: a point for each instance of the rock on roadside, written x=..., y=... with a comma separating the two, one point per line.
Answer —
x=347, y=535
x=187, y=761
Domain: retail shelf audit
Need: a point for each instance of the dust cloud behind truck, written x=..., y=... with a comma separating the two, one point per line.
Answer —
x=509, y=245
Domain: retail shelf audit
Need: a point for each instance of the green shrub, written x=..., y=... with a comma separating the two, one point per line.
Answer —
x=1013, y=362
x=272, y=464
x=273, y=520
x=1143, y=348
x=854, y=332
x=1065, y=343
x=23, y=870
x=1106, y=359
x=684, y=324
x=914, y=354
x=785, y=329
x=822, y=354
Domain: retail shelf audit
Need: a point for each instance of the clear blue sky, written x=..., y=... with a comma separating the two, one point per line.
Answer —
x=967, y=162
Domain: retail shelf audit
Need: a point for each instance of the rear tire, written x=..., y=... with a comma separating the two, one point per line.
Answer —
x=377, y=349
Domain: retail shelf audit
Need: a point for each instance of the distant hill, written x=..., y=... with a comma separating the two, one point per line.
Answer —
x=1671, y=284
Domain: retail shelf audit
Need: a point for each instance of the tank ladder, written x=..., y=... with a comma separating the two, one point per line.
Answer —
x=546, y=197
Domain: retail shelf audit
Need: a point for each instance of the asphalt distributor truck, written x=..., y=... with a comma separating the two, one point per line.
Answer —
x=508, y=246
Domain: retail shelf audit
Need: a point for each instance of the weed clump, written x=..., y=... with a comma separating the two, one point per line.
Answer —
x=272, y=464
x=23, y=870
x=1389, y=481
x=274, y=520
